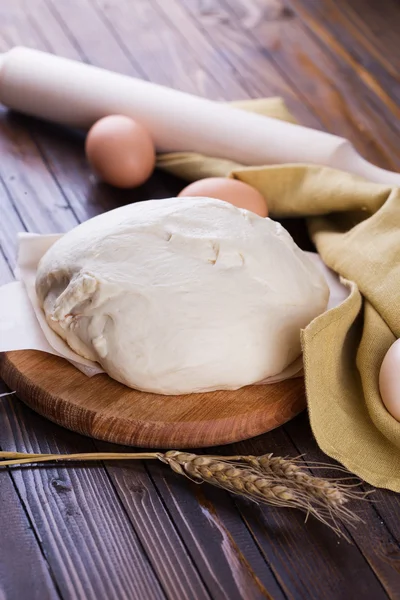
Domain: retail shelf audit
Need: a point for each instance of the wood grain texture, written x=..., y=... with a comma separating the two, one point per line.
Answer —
x=24, y=572
x=225, y=557
x=168, y=555
x=238, y=571
x=337, y=66
x=205, y=29
x=104, y=409
x=220, y=543
x=90, y=544
x=6, y=274
x=280, y=535
x=359, y=32
x=379, y=517
x=327, y=84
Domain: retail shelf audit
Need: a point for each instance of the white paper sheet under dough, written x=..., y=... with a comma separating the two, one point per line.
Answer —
x=24, y=327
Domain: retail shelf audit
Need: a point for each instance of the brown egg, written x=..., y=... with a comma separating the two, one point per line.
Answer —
x=231, y=190
x=389, y=380
x=120, y=151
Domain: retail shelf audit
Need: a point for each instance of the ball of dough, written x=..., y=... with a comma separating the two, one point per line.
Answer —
x=176, y=297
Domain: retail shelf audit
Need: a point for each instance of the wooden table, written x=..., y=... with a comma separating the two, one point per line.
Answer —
x=138, y=531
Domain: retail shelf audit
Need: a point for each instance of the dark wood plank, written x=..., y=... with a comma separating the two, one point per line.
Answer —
x=86, y=30
x=10, y=224
x=365, y=34
x=112, y=21
x=197, y=67
x=387, y=505
x=237, y=572
x=379, y=24
x=85, y=533
x=64, y=153
x=378, y=514
x=327, y=85
x=41, y=203
x=221, y=545
x=188, y=74
x=6, y=274
x=204, y=31
x=24, y=572
x=30, y=197
x=331, y=563
x=167, y=552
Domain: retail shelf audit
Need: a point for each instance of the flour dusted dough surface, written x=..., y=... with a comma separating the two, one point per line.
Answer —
x=181, y=295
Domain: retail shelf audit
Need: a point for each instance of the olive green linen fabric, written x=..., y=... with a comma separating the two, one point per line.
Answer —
x=355, y=225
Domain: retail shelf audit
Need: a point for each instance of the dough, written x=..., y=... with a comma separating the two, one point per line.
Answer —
x=181, y=295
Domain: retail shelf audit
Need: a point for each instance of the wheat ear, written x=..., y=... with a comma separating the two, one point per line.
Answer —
x=264, y=479
x=329, y=494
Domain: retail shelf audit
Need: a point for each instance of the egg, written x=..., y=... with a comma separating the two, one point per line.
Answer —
x=120, y=151
x=389, y=380
x=230, y=190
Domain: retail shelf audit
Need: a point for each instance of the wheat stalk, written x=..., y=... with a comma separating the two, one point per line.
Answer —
x=263, y=479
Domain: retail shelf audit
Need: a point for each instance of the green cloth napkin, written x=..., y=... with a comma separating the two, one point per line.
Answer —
x=355, y=226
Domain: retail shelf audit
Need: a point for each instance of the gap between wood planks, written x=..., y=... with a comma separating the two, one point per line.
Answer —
x=28, y=563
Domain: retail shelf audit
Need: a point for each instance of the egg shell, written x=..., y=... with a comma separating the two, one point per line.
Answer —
x=389, y=380
x=230, y=190
x=120, y=151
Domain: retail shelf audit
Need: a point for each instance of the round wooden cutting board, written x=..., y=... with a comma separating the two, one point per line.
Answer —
x=107, y=410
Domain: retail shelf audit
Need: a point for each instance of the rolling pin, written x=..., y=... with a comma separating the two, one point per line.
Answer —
x=77, y=95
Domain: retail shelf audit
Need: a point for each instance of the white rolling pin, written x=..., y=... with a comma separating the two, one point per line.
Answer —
x=77, y=94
